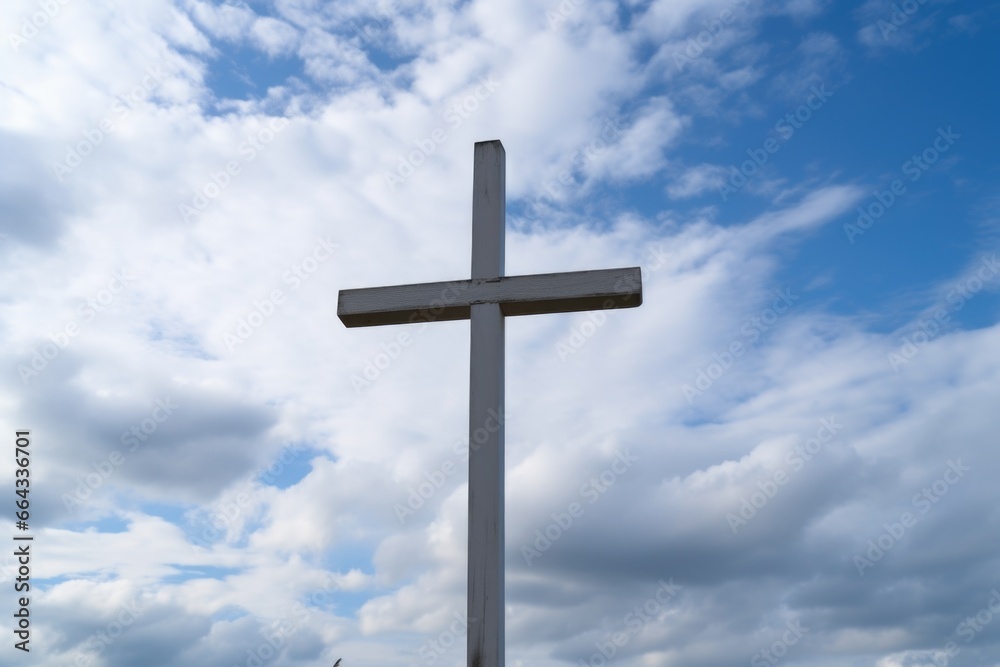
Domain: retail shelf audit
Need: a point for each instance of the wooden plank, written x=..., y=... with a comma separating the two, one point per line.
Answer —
x=485, y=634
x=518, y=295
x=489, y=209
x=402, y=304
x=569, y=292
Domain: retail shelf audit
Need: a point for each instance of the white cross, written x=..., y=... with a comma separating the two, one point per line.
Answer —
x=485, y=300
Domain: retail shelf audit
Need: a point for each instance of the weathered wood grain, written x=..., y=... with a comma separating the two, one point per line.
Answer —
x=517, y=295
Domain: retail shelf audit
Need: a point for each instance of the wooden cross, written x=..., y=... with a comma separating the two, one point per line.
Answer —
x=485, y=300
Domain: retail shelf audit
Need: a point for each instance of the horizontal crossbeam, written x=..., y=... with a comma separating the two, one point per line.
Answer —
x=517, y=295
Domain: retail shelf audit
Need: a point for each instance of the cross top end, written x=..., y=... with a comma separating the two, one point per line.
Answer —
x=517, y=295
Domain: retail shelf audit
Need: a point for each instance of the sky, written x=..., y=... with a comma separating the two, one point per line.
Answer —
x=787, y=455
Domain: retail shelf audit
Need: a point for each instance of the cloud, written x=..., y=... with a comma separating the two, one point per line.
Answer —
x=887, y=26
x=696, y=180
x=274, y=36
x=639, y=153
x=213, y=447
x=820, y=60
x=226, y=21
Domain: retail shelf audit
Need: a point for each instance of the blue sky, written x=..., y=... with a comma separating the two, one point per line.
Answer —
x=225, y=475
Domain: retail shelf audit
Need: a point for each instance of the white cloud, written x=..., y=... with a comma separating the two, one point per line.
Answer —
x=696, y=180
x=884, y=25
x=274, y=37
x=804, y=8
x=225, y=21
x=640, y=152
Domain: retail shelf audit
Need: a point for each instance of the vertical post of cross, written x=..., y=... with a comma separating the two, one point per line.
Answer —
x=485, y=641
x=486, y=299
